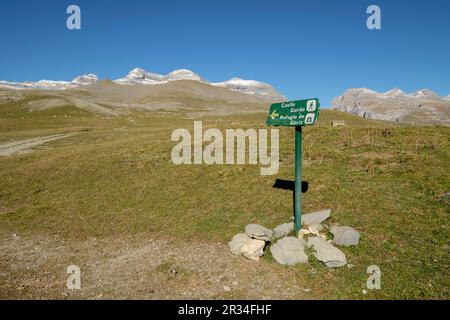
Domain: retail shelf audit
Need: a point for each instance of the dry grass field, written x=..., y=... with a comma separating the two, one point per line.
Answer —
x=107, y=198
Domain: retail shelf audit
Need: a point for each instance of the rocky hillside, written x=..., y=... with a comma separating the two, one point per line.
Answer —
x=108, y=98
x=421, y=107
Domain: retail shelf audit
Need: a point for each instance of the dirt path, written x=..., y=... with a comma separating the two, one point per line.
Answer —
x=25, y=146
x=138, y=268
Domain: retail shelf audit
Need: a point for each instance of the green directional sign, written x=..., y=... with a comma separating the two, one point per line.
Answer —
x=294, y=113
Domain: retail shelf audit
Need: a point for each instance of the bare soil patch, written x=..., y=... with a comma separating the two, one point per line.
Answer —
x=25, y=146
x=134, y=267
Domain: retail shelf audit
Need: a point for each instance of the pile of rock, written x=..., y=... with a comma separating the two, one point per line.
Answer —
x=289, y=250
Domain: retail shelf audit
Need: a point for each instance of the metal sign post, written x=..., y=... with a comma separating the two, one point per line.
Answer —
x=298, y=180
x=295, y=114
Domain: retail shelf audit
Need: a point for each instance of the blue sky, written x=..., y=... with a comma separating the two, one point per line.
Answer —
x=304, y=48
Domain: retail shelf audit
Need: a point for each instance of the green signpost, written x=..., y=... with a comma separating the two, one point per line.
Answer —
x=295, y=114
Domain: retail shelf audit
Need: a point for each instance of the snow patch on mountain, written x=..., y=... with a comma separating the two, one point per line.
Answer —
x=140, y=76
x=425, y=94
x=86, y=79
x=184, y=74
x=393, y=93
x=51, y=84
x=361, y=91
x=251, y=87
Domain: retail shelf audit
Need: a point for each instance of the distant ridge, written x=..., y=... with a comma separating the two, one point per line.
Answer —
x=423, y=106
x=82, y=80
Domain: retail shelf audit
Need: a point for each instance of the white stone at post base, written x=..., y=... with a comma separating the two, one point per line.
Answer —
x=238, y=242
x=254, y=249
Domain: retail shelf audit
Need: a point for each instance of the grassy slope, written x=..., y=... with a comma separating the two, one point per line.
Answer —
x=117, y=179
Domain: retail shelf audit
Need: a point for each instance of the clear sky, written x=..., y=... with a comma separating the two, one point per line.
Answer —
x=305, y=49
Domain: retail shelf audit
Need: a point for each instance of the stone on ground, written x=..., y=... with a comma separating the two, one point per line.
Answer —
x=327, y=253
x=304, y=231
x=289, y=251
x=254, y=249
x=315, y=228
x=238, y=242
x=345, y=236
x=283, y=230
x=315, y=217
x=256, y=231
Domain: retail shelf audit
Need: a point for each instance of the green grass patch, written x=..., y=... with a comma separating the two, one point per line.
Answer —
x=115, y=178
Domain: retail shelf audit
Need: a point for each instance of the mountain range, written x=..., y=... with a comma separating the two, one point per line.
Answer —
x=139, y=76
x=181, y=91
x=186, y=90
x=423, y=106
